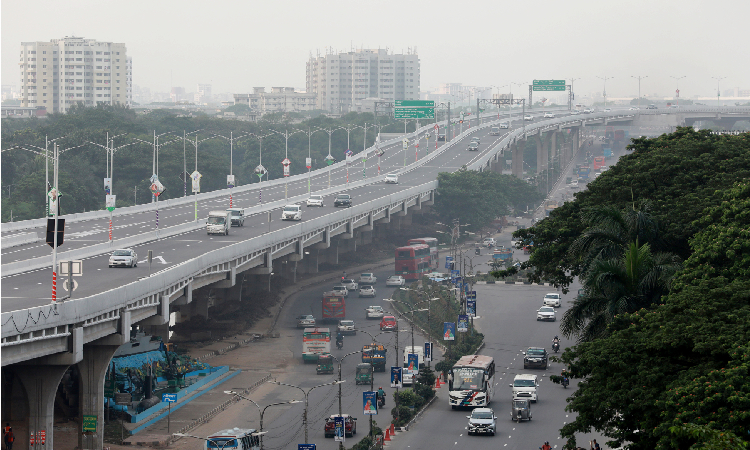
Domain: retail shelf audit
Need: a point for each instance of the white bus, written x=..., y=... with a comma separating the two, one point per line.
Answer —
x=471, y=381
x=233, y=439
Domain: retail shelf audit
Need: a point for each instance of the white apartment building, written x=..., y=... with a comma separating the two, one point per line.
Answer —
x=280, y=99
x=63, y=72
x=343, y=80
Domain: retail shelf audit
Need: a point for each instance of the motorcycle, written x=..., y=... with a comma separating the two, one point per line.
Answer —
x=565, y=382
x=339, y=344
x=556, y=346
x=381, y=401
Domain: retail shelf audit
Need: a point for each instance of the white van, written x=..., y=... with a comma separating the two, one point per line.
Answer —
x=292, y=212
x=495, y=131
x=218, y=222
x=524, y=387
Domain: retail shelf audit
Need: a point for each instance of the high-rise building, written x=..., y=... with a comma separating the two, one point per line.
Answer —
x=63, y=72
x=343, y=80
x=280, y=99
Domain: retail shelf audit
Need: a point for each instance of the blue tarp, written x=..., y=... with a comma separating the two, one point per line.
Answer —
x=137, y=360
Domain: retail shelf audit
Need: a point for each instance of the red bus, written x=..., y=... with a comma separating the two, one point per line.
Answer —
x=599, y=162
x=413, y=261
x=432, y=243
x=334, y=306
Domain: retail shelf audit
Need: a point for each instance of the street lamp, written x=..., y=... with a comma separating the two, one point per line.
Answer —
x=429, y=313
x=261, y=411
x=718, y=92
x=231, y=140
x=605, y=78
x=286, y=135
x=306, y=394
x=510, y=107
x=195, y=192
x=639, y=78
x=677, y=91
x=573, y=92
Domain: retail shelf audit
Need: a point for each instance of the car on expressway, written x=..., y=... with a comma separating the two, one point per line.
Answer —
x=346, y=327
x=341, y=290
x=375, y=312
x=475, y=139
x=343, y=200
x=504, y=125
x=652, y=106
x=125, y=257
x=634, y=108
x=292, y=212
x=535, y=357
x=388, y=323
x=367, y=278
x=473, y=146
x=482, y=421
x=574, y=112
x=574, y=184
x=305, y=321
x=350, y=284
x=546, y=313
x=315, y=200
x=588, y=111
x=391, y=178
x=395, y=280
x=367, y=291
x=607, y=109
x=552, y=299
x=549, y=115
x=238, y=216
x=441, y=137
x=350, y=425
x=528, y=117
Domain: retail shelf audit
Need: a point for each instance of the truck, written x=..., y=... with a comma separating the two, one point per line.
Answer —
x=502, y=254
x=375, y=355
x=583, y=172
x=218, y=222
x=334, y=307
x=409, y=372
x=549, y=207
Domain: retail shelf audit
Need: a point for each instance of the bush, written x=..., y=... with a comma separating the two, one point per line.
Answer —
x=401, y=415
x=368, y=441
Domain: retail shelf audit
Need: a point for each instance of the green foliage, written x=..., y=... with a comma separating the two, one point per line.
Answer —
x=678, y=174
x=83, y=164
x=369, y=440
x=709, y=439
x=478, y=198
x=686, y=361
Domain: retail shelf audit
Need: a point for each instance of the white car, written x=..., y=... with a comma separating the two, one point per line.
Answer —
x=367, y=291
x=124, y=257
x=504, y=125
x=482, y=420
x=634, y=108
x=315, y=200
x=574, y=184
x=528, y=117
x=395, y=280
x=341, y=290
x=549, y=115
x=367, y=278
x=391, y=178
x=552, y=299
x=346, y=327
x=375, y=312
x=292, y=212
x=350, y=284
x=489, y=241
x=607, y=109
x=546, y=313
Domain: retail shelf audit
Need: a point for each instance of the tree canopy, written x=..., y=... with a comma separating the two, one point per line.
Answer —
x=678, y=174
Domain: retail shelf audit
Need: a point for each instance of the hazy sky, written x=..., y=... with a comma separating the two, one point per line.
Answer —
x=235, y=45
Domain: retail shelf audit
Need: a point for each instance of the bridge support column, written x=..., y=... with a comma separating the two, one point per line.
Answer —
x=517, y=158
x=576, y=144
x=553, y=147
x=93, y=368
x=541, y=154
x=40, y=382
x=366, y=237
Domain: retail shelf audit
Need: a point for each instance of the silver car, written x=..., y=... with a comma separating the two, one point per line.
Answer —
x=124, y=257
x=315, y=200
x=546, y=313
x=346, y=327
x=367, y=291
x=482, y=421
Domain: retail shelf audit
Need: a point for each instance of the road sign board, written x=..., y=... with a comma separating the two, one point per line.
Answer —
x=76, y=268
x=548, y=83
x=405, y=143
x=286, y=162
x=414, y=113
x=230, y=181
x=89, y=424
x=548, y=88
x=415, y=103
x=308, y=162
x=169, y=398
x=110, y=201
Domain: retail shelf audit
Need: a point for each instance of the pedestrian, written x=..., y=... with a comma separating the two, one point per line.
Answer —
x=594, y=445
x=8, y=436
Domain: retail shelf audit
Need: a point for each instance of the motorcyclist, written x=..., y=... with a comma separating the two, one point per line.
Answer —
x=381, y=395
x=339, y=340
x=556, y=342
x=546, y=446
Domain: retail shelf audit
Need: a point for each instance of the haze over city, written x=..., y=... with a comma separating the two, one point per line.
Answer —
x=237, y=45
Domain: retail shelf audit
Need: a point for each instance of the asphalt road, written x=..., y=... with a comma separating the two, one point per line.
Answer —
x=34, y=288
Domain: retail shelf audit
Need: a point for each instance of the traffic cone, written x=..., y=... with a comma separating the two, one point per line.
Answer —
x=387, y=434
x=437, y=383
x=393, y=429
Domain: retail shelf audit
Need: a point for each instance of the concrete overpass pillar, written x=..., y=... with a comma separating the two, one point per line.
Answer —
x=406, y=220
x=517, y=158
x=93, y=368
x=40, y=382
x=541, y=154
x=553, y=146
x=574, y=142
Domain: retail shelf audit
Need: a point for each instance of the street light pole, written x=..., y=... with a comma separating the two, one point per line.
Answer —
x=261, y=411
x=605, y=78
x=718, y=92
x=639, y=78
x=306, y=393
x=677, y=91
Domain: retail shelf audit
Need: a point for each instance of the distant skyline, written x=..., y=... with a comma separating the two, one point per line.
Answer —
x=236, y=45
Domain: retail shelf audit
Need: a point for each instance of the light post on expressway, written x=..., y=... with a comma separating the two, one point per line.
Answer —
x=510, y=107
x=306, y=394
x=498, y=96
x=572, y=91
x=156, y=187
x=261, y=411
x=639, y=78
x=330, y=159
x=196, y=183
x=286, y=135
x=230, y=178
x=604, y=93
x=677, y=91
x=110, y=170
x=718, y=92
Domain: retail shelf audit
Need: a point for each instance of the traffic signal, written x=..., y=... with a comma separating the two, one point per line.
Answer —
x=51, y=232
x=461, y=121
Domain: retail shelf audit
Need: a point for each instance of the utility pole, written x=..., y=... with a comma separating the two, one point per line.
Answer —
x=639, y=78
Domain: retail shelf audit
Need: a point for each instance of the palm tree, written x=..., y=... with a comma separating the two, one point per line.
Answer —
x=619, y=274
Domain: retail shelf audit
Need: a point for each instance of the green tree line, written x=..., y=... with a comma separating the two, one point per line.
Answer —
x=83, y=164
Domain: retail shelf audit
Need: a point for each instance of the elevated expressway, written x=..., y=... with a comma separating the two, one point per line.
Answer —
x=41, y=340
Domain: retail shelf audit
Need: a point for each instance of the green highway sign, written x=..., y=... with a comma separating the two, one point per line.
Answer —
x=415, y=113
x=415, y=103
x=548, y=88
x=548, y=83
